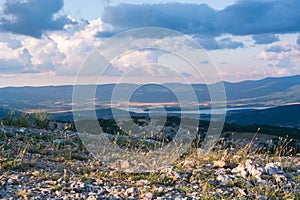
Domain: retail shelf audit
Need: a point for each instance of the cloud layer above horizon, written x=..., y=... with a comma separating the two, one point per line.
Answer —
x=37, y=37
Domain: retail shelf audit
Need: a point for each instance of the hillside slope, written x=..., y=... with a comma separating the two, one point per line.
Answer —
x=278, y=116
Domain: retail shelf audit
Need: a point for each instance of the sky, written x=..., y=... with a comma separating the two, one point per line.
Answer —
x=46, y=42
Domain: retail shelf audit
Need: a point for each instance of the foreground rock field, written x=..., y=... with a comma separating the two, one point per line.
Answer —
x=44, y=164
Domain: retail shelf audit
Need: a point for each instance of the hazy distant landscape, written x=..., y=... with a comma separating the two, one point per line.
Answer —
x=271, y=101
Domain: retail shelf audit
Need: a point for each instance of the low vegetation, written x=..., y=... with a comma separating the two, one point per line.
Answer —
x=58, y=158
x=39, y=119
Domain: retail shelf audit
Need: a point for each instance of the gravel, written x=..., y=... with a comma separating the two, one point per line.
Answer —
x=88, y=178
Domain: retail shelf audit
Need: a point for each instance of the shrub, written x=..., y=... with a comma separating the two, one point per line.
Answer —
x=10, y=119
x=22, y=121
x=41, y=119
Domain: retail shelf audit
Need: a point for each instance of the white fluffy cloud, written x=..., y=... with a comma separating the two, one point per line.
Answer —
x=76, y=46
x=59, y=52
x=283, y=58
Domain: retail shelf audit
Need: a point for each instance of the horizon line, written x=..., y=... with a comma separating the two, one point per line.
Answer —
x=91, y=84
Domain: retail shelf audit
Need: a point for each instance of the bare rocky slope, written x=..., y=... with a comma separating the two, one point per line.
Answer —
x=53, y=164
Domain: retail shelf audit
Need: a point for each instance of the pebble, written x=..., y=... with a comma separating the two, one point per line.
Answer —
x=148, y=195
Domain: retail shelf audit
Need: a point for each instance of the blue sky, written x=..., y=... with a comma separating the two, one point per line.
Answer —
x=44, y=42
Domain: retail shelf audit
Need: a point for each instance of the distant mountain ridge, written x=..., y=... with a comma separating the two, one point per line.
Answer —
x=278, y=91
x=268, y=88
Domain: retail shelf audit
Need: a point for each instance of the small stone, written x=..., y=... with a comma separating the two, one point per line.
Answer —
x=272, y=168
x=92, y=196
x=221, y=163
x=131, y=190
x=59, y=180
x=196, y=187
x=240, y=169
x=160, y=189
x=170, y=173
x=59, y=141
x=13, y=179
x=70, y=134
x=219, y=190
x=279, y=178
x=143, y=182
x=59, y=193
x=148, y=195
x=249, y=168
x=263, y=197
x=224, y=179
x=82, y=185
x=51, y=182
x=22, y=130
x=35, y=173
x=188, y=164
x=243, y=192
x=124, y=164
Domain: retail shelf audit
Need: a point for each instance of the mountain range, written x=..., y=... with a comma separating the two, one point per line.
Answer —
x=268, y=92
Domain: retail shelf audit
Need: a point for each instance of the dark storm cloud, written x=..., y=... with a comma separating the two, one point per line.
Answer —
x=265, y=38
x=32, y=17
x=245, y=17
x=186, y=18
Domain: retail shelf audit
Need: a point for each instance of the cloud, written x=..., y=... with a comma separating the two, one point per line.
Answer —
x=225, y=43
x=204, y=62
x=228, y=43
x=259, y=17
x=285, y=56
x=22, y=65
x=59, y=53
x=104, y=34
x=141, y=57
x=151, y=71
x=186, y=74
x=186, y=18
x=11, y=66
x=10, y=42
x=23, y=62
x=255, y=74
x=247, y=17
x=33, y=17
x=278, y=49
x=298, y=40
x=265, y=38
x=69, y=49
x=285, y=63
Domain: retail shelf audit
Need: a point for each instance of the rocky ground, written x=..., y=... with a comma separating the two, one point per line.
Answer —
x=53, y=164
